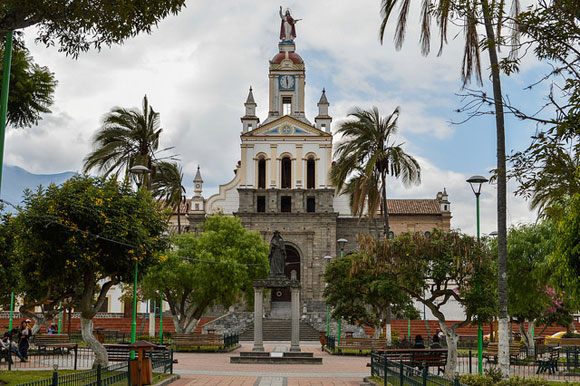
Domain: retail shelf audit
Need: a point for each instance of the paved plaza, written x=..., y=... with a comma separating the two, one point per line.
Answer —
x=216, y=369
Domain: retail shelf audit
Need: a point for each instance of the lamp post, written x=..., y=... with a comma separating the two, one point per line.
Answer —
x=341, y=243
x=327, y=258
x=138, y=171
x=475, y=182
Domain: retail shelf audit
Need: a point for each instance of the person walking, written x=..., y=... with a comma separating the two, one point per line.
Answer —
x=24, y=338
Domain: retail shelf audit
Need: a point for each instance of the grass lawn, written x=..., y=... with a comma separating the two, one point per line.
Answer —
x=16, y=377
x=394, y=381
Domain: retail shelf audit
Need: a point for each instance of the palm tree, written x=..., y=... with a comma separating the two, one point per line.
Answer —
x=471, y=14
x=128, y=137
x=167, y=185
x=364, y=159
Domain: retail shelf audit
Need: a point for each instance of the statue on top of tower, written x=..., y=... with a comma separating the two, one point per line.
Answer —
x=288, y=26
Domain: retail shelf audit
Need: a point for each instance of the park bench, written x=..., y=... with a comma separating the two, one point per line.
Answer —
x=549, y=362
x=361, y=344
x=420, y=358
x=5, y=354
x=56, y=342
x=491, y=351
x=198, y=340
x=122, y=352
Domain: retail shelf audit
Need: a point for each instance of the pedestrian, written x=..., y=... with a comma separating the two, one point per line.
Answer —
x=419, y=342
x=51, y=330
x=24, y=338
x=7, y=344
x=436, y=343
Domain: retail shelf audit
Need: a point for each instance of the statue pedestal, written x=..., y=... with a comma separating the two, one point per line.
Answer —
x=271, y=283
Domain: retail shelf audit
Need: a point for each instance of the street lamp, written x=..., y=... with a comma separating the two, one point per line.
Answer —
x=139, y=172
x=475, y=182
x=341, y=243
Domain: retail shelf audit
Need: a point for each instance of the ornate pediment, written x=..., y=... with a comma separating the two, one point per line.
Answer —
x=286, y=126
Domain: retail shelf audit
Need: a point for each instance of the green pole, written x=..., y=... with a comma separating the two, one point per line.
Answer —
x=161, y=319
x=3, y=113
x=340, y=318
x=59, y=317
x=4, y=96
x=327, y=319
x=409, y=330
x=11, y=311
x=479, y=329
x=134, y=321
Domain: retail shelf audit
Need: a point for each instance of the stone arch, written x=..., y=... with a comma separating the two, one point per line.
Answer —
x=293, y=263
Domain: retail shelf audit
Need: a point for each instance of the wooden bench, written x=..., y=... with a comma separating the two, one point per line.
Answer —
x=360, y=344
x=420, y=358
x=549, y=363
x=56, y=342
x=491, y=351
x=122, y=352
x=198, y=340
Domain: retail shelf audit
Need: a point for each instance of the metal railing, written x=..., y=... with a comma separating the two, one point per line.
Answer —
x=399, y=374
x=105, y=376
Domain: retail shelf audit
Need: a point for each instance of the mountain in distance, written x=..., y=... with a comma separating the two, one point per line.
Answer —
x=15, y=180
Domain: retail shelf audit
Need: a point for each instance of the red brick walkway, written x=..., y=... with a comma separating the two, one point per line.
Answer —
x=216, y=369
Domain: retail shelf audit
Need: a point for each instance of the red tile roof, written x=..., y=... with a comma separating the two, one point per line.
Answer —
x=411, y=206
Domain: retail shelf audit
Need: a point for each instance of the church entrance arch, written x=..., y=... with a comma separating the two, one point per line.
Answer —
x=292, y=265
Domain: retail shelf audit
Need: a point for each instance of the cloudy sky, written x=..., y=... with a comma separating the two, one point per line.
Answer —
x=196, y=69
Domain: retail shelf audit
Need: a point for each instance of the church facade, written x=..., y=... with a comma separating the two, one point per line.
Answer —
x=282, y=183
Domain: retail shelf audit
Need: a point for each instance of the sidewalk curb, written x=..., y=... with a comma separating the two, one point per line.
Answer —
x=169, y=380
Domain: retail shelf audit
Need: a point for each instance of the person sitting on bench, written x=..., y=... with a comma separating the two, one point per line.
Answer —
x=419, y=342
x=436, y=343
x=6, y=344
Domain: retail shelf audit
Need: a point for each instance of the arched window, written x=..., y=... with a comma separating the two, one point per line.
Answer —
x=310, y=173
x=261, y=173
x=286, y=173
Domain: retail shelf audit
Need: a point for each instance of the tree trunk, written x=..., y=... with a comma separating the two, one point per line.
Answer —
x=388, y=332
x=179, y=219
x=101, y=357
x=378, y=330
x=527, y=336
x=503, y=343
x=451, y=339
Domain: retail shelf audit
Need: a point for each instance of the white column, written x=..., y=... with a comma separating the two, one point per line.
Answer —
x=152, y=323
x=258, y=314
x=295, y=342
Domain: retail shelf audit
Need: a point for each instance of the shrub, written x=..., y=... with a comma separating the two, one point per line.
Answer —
x=493, y=377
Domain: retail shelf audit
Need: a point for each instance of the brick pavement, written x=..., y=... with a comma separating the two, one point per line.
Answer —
x=216, y=369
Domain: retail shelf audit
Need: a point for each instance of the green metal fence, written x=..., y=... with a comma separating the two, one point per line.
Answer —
x=399, y=374
x=105, y=376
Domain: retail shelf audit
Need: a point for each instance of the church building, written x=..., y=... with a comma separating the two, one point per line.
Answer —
x=282, y=183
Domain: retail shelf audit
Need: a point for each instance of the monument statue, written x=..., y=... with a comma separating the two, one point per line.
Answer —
x=277, y=255
x=288, y=26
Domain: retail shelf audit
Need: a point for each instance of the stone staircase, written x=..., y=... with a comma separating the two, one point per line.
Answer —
x=281, y=330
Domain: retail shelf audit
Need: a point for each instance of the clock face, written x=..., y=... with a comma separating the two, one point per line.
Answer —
x=197, y=186
x=287, y=82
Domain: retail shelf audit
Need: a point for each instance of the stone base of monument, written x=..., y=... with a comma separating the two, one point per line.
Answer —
x=277, y=358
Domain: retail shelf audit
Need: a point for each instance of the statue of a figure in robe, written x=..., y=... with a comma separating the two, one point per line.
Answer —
x=277, y=255
x=287, y=28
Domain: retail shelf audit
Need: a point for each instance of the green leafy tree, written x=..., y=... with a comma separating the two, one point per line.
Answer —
x=168, y=186
x=81, y=238
x=216, y=267
x=547, y=171
x=75, y=26
x=365, y=157
x=9, y=274
x=437, y=269
x=472, y=15
x=31, y=88
x=566, y=259
x=362, y=295
x=127, y=138
x=531, y=286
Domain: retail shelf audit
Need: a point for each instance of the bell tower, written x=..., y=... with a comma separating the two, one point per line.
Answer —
x=287, y=80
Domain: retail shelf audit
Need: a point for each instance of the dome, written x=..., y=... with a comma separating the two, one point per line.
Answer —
x=293, y=56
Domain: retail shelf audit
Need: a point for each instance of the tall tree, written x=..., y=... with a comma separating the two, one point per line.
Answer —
x=9, y=274
x=437, y=269
x=84, y=237
x=362, y=296
x=167, y=185
x=215, y=267
x=365, y=157
x=31, y=88
x=472, y=14
x=75, y=26
x=128, y=137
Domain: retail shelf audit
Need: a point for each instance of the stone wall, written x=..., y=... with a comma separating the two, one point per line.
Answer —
x=231, y=322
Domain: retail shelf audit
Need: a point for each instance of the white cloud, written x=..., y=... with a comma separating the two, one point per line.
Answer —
x=196, y=69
